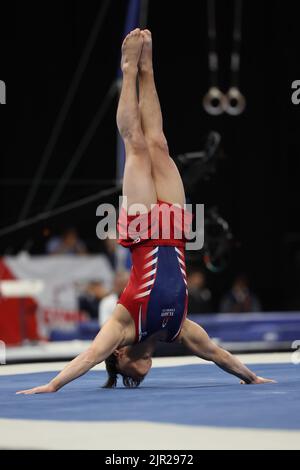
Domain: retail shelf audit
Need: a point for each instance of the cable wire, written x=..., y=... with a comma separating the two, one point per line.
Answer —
x=60, y=210
x=85, y=141
x=62, y=115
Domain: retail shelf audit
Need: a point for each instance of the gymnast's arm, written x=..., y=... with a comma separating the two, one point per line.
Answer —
x=111, y=336
x=198, y=342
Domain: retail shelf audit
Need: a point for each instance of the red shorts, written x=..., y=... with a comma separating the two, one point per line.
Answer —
x=165, y=224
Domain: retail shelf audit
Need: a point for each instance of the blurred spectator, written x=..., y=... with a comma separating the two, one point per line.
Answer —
x=200, y=299
x=109, y=302
x=240, y=299
x=68, y=243
x=91, y=297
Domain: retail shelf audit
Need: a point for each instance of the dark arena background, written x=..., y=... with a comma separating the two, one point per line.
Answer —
x=61, y=157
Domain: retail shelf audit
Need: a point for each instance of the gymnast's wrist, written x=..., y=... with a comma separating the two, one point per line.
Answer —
x=54, y=386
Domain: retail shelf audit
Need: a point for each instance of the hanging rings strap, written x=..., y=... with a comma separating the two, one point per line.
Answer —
x=236, y=102
x=213, y=101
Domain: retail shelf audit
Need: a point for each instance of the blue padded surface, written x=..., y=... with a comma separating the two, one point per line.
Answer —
x=191, y=395
x=245, y=327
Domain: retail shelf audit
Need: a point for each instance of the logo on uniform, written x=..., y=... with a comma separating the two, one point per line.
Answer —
x=166, y=314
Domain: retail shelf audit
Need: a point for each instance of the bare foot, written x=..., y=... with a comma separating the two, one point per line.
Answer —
x=131, y=50
x=145, y=63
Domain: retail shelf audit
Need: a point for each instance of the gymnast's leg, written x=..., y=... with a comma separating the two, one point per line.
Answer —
x=138, y=185
x=166, y=177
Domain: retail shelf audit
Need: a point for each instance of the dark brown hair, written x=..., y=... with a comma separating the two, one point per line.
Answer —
x=112, y=371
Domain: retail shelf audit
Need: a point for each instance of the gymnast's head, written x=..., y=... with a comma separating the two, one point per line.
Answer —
x=129, y=365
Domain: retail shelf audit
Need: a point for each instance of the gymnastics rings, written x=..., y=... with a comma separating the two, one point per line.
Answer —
x=235, y=102
x=214, y=102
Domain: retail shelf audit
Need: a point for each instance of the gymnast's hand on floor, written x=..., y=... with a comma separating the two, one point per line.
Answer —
x=48, y=388
x=259, y=380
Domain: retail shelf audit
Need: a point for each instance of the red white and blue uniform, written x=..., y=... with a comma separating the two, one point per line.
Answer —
x=156, y=295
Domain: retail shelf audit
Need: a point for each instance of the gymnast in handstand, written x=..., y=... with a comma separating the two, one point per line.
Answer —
x=153, y=306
